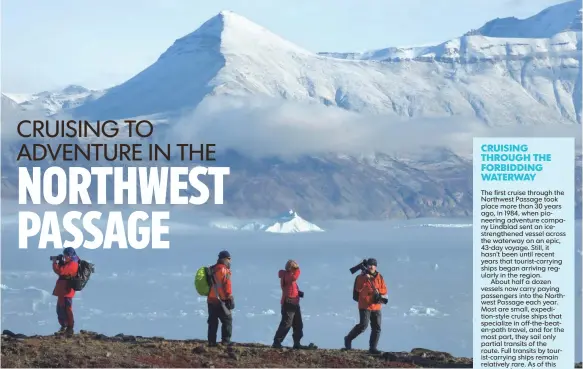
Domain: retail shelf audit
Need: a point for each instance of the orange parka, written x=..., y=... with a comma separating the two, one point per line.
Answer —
x=65, y=272
x=365, y=288
x=222, y=278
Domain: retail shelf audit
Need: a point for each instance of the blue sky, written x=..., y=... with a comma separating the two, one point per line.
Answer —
x=98, y=44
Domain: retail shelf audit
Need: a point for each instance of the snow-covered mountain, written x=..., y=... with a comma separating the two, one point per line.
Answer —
x=291, y=222
x=499, y=80
x=12, y=113
x=51, y=102
x=9, y=103
x=288, y=222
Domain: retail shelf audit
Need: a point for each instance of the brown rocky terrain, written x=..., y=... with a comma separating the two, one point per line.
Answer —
x=89, y=349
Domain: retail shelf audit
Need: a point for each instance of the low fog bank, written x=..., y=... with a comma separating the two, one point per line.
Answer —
x=267, y=128
x=262, y=127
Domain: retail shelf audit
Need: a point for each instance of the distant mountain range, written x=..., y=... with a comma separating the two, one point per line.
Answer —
x=52, y=102
x=509, y=72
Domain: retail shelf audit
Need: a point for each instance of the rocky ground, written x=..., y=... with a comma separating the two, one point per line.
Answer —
x=88, y=349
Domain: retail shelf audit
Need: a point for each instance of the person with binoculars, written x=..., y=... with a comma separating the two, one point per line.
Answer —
x=369, y=291
x=291, y=315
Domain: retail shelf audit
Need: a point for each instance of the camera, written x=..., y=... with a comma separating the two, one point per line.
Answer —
x=360, y=266
x=378, y=298
x=301, y=294
x=230, y=304
x=58, y=258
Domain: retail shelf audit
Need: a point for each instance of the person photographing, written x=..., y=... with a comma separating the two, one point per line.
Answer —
x=369, y=292
x=291, y=315
x=66, y=267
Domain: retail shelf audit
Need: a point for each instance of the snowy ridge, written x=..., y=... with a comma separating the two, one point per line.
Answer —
x=555, y=31
x=51, y=102
x=474, y=48
x=552, y=20
x=9, y=103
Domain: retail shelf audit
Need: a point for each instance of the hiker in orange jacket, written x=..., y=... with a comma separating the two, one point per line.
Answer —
x=220, y=301
x=291, y=315
x=371, y=288
x=65, y=268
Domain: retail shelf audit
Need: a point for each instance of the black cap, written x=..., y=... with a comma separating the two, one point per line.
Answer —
x=224, y=254
x=371, y=261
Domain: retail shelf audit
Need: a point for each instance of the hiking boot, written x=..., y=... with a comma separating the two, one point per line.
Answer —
x=212, y=344
x=298, y=346
x=61, y=331
x=374, y=351
x=277, y=345
x=347, y=343
x=68, y=332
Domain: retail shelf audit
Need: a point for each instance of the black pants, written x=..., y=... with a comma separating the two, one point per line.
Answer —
x=375, y=319
x=216, y=314
x=291, y=316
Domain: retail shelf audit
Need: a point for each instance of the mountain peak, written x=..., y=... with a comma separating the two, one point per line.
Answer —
x=291, y=222
x=546, y=23
x=232, y=16
x=288, y=215
x=231, y=33
x=225, y=19
x=193, y=66
x=74, y=89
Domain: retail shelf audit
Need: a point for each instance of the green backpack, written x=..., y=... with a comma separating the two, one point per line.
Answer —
x=202, y=281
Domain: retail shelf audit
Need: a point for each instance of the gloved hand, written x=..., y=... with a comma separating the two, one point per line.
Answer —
x=230, y=303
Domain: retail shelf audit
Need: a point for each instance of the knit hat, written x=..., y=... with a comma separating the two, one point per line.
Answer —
x=371, y=261
x=69, y=251
x=224, y=254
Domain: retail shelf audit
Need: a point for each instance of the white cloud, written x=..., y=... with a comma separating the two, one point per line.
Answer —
x=287, y=129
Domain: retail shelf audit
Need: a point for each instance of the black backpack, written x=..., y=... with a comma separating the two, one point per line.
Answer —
x=83, y=274
x=355, y=293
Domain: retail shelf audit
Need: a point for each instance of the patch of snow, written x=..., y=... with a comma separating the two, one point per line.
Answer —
x=418, y=310
x=221, y=225
x=253, y=226
x=454, y=225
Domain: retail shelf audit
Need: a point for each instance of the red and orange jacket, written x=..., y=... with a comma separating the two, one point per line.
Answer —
x=65, y=271
x=364, y=287
x=222, y=279
x=289, y=286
